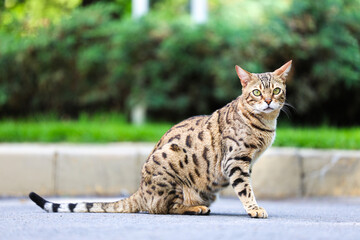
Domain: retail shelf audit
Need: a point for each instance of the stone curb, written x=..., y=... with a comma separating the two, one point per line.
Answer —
x=113, y=169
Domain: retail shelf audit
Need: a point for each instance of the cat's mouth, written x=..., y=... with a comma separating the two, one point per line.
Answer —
x=268, y=109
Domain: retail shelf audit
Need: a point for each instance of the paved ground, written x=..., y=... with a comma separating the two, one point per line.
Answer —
x=289, y=219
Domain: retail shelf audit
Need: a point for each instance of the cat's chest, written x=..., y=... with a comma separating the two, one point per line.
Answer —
x=255, y=138
x=252, y=140
x=264, y=142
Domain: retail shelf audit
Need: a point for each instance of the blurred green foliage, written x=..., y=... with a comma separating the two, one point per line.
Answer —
x=94, y=60
x=25, y=16
x=323, y=39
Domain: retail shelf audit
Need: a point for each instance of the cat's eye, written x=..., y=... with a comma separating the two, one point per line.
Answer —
x=276, y=91
x=257, y=92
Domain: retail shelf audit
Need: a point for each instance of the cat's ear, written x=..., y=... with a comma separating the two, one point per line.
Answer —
x=244, y=75
x=283, y=70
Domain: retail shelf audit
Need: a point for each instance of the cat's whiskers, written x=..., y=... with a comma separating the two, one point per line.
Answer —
x=289, y=105
x=287, y=109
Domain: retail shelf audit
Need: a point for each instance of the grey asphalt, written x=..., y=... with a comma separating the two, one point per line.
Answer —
x=324, y=218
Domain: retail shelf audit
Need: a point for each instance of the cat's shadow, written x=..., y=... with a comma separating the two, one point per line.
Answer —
x=228, y=214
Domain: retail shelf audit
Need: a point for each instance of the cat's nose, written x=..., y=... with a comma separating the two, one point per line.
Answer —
x=268, y=100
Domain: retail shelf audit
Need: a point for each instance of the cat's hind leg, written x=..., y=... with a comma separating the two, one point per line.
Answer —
x=187, y=202
x=172, y=201
x=166, y=187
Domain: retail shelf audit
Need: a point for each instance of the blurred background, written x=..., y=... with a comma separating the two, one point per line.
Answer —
x=104, y=61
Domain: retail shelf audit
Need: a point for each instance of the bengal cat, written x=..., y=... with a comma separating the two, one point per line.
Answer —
x=201, y=155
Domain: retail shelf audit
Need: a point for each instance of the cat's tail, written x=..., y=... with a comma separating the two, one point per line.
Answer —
x=127, y=205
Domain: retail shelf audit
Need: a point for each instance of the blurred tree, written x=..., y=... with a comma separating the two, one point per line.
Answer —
x=323, y=39
x=124, y=5
x=88, y=2
x=92, y=60
x=25, y=16
x=170, y=8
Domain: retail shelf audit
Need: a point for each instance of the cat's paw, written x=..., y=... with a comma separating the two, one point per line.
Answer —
x=257, y=212
x=197, y=210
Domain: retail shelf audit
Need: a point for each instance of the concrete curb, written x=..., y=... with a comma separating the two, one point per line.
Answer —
x=113, y=169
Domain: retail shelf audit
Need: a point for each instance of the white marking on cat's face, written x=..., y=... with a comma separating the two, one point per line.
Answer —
x=264, y=107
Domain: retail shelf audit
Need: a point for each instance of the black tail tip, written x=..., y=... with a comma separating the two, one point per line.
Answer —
x=37, y=199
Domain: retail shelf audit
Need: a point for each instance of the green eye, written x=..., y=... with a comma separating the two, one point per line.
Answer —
x=276, y=91
x=257, y=92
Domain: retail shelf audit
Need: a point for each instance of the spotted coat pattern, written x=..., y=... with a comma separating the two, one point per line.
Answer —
x=198, y=157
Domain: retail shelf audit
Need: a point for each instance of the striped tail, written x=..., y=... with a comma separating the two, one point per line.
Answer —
x=127, y=205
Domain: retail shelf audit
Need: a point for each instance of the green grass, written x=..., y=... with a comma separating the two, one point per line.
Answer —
x=321, y=137
x=98, y=129
x=105, y=128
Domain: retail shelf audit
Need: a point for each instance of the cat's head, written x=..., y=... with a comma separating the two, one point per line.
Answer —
x=264, y=92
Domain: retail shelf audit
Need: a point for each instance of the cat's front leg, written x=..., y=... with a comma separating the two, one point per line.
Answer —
x=237, y=169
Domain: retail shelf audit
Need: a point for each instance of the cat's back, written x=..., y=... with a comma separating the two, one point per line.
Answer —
x=204, y=132
x=186, y=133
